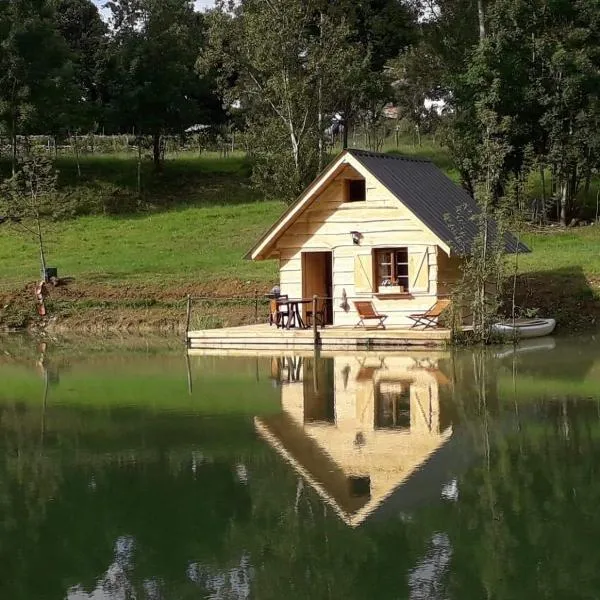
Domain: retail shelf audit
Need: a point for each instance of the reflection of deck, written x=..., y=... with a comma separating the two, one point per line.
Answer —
x=332, y=338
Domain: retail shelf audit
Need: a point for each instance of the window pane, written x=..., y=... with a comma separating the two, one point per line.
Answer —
x=384, y=268
x=402, y=270
x=402, y=255
x=384, y=274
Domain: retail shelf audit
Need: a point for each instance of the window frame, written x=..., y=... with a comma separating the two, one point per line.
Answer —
x=394, y=279
x=348, y=184
x=400, y=403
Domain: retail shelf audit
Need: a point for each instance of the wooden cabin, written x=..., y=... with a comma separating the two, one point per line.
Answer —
x=368, y=433
x=378, y=227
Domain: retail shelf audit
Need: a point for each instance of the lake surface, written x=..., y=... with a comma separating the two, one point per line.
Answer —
x=127, y=472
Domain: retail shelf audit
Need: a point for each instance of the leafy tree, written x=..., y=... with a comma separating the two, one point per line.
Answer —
x=416, y=77
x=85, y=33
x=155, y=88
x=273, y=59
x=293, y=65
x=35, y=69
x=381, y=29
x=538, y=69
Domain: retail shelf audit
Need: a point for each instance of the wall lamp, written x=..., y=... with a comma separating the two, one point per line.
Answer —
x=356, y=237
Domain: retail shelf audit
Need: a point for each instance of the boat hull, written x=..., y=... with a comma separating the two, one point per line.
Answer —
x=533, y=328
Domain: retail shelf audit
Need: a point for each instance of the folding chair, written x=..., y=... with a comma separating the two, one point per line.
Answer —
x=367, y=312
x=429, y=319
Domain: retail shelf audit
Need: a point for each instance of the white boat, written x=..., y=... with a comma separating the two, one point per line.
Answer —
x=525, y=328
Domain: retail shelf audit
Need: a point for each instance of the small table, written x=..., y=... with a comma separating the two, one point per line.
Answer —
x=294, y=316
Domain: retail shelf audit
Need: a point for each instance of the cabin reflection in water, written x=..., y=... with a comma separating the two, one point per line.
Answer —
x=356, y=428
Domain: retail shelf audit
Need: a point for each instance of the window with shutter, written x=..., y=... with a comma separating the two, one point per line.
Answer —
x=392, y=268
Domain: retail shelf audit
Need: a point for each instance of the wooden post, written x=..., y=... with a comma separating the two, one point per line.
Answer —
x=189, y=374
x=188, y=318
x=255, y=306
x=314, y=324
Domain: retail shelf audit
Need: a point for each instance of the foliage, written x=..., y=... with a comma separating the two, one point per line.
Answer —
x=294, y=67
x=36, y=79
x=86, y=35
x=29, y=196
x=483, y=268
x=416, y=76
x=537, y=69
x=153, y=86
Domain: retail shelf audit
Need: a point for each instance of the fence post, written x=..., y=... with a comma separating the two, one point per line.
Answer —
x=255, y=306
x=188, y=317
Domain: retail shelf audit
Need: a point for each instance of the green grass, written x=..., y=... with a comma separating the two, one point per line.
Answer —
x=179, y=245
x=559, y=250
x=200, y=216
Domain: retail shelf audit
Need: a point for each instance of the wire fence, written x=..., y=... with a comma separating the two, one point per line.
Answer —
x=216, y=312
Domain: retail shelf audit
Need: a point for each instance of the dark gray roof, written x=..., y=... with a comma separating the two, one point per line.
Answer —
x=446, y=208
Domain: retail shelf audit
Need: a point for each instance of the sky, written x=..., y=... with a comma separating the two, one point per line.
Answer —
x=200, y=5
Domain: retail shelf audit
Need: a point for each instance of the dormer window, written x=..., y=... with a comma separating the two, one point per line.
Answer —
x=356, y=190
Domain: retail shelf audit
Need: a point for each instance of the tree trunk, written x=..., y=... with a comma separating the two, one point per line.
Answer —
x=563, y=203
x=156, y=151
x=139, y=169
x=42, y=253
x=481, y=14
x=320, y=101
x=13, y=140
x=346, y=127
x=76, y=152
x=544, y=198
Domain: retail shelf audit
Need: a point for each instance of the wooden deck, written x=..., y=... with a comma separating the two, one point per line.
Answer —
x=265, y=337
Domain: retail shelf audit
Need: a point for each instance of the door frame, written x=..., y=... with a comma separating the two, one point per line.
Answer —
x=327, y=283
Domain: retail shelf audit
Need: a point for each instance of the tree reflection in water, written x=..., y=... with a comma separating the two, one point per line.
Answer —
x=120, y=502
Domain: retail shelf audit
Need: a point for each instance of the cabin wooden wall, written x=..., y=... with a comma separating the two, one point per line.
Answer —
x=383, y=222
x=449, y=272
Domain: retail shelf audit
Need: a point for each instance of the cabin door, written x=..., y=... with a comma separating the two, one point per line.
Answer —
x=317, y=280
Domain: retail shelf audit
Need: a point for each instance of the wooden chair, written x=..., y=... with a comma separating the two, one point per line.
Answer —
x=367, y=312
x=429, y=319
x=277, y=313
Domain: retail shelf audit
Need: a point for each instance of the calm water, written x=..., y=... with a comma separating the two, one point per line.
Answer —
x=127, y=473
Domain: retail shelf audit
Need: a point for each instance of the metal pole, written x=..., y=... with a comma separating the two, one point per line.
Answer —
x=256, y=306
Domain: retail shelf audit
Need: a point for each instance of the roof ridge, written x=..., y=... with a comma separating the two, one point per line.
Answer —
x=373, y=154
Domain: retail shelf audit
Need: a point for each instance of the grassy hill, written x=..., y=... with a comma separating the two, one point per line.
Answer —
x=133, y=260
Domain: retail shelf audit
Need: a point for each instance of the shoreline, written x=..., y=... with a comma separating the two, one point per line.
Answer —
x=145, y=309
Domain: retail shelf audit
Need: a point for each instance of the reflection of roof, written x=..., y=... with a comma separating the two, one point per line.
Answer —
x=326, y=476
x=426, y=482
